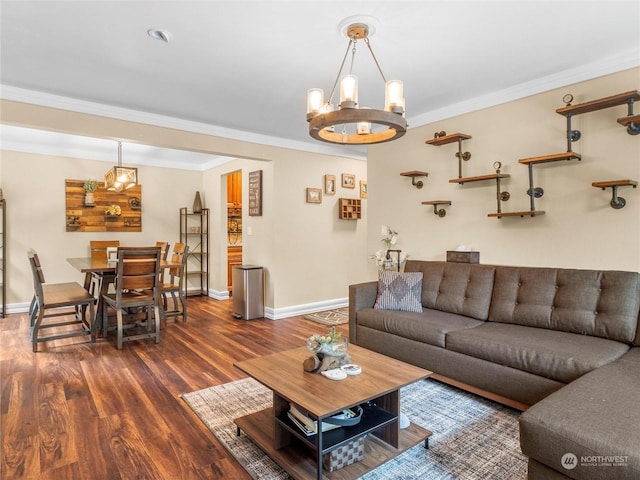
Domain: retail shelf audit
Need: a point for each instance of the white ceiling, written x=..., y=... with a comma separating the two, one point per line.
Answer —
x=246, y=65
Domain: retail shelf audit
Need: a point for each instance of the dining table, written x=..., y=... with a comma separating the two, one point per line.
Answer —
x=106, y=272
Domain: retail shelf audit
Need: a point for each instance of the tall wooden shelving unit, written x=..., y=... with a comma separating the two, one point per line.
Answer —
x=194, y=231
x=3, y=253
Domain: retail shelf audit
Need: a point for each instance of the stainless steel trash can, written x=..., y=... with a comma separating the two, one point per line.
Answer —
x=248, y=292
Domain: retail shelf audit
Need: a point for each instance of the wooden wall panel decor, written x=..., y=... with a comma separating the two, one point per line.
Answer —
x=85, y=218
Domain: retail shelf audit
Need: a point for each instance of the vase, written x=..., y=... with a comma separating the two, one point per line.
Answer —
x=88, y=198
x=197, y=204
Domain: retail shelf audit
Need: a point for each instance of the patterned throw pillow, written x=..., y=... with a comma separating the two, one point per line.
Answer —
x=399, y=291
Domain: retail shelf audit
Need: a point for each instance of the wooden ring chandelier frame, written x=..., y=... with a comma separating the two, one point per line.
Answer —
x=345, y=125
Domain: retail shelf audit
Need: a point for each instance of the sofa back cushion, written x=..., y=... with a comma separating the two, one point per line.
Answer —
x=599, y=303
x=460, y=288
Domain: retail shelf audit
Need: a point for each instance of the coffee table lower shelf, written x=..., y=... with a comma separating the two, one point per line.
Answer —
x=300, y=462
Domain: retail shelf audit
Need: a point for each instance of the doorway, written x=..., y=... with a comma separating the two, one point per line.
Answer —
x=234, y=224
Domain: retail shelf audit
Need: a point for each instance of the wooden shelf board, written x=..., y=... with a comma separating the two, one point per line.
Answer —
x=454, y=137
x=615, y=183
x=556, y=157
x=437, y=202
x=414, y=173
x=528, y=213
x=624, y=121
x=491, y=176
x=599, y=104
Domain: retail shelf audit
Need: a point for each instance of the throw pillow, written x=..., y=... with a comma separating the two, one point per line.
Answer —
x=399, y=291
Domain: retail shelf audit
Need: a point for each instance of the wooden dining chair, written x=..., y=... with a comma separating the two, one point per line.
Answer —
x=136, y=285
x=164, y=253
x=58, y=300
x=174, y=286
x=164, y=249
x=98, y=252
x=99, y=248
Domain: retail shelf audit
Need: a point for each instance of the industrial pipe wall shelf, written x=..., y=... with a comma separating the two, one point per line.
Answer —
x=415, y=174
x=631, y=121
x=501, y=196
x=441, y=138
x=439, y=212
x=616, y=201
x=536, y=192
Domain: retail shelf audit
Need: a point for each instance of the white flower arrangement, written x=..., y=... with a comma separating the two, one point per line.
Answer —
x=384, y=259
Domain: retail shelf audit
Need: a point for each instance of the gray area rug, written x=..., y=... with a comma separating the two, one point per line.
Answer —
x=473, y=438
x=337, y=316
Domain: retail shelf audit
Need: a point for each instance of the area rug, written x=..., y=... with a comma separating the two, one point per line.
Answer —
x=473, y=438
x=330, y=317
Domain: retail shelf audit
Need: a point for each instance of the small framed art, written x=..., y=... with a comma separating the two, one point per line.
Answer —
x=329, y=184
x=363, y=189
x=348, y=180
x=255, y=193
x=314, y=195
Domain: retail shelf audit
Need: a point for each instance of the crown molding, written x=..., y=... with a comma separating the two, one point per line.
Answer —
x=17, y=94
x=44, y=142
x=22, y=139
x=617, y=63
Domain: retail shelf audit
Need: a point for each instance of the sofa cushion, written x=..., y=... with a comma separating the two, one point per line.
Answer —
x=399, y=291
x=430, y=327
x=595, y=416
x=556, y=355
x=459, y=288
x=598, y=303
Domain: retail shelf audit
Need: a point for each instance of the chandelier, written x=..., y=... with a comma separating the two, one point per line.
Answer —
x=350, y=124
x=120, y=178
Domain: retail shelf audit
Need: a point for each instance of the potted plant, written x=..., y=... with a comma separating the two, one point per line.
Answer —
x=90, y=186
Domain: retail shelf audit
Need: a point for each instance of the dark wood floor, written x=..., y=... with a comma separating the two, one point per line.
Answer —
x=77, y=410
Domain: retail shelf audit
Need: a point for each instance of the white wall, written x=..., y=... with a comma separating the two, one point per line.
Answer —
x=579, y=230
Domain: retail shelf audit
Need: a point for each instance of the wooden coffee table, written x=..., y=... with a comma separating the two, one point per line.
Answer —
x=301, y=455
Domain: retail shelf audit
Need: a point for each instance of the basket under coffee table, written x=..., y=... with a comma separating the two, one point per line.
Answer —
x=300, y=455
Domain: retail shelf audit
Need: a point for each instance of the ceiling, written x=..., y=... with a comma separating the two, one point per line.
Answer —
x=245, y=66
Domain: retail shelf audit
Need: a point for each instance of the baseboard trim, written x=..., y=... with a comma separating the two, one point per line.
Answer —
x=303, y=309
x=270, y=313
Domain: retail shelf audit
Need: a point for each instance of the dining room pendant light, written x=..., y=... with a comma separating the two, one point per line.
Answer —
x=120, y=178
x=351, y=124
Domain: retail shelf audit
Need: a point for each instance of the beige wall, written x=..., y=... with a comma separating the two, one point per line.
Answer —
x=579, y=229
x=309, y=255
x=34, y=186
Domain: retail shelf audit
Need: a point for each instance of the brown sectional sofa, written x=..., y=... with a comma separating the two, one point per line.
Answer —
x=563, y=341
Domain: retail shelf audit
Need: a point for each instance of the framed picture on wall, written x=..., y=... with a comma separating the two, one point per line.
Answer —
x=348, y=180
x=255, y=193
x=329, y=184
x=363, y=189
x=314, y=195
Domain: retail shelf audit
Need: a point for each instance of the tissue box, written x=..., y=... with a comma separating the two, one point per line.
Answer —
x=463, y=257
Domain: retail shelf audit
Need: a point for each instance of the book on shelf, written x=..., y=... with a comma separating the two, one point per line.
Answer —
x=300, y=425
x=310, y=427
